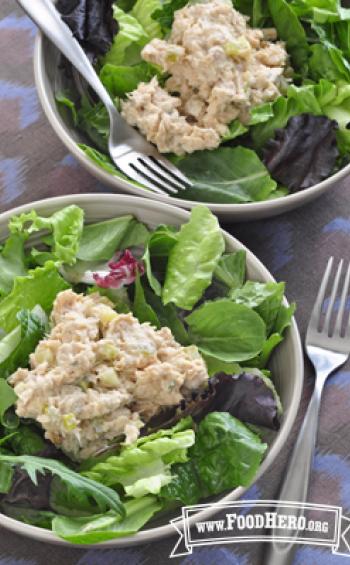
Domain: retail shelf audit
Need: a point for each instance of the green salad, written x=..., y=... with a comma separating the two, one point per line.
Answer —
x=250, y=99
x=134, y=370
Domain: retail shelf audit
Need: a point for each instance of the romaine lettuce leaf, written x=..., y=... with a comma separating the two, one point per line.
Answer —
x=193, y=259
x=39, y=287
x=320, y=11
x=226, y=454
x=121, y=79
x=227, y=331
x=100, y=241
x=144, y=466
x=235, y=129
x=102, y=527
x=328, y=62
x=66, y=227
x=142, y=11
x=12, y=262
x=131, y=35
x=229, y=175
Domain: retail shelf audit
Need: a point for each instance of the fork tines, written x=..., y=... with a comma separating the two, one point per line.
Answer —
x=324, y=311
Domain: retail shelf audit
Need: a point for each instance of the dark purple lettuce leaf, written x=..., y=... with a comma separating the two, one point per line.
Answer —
x=303, y=153
x=24, y=493
x=247, y=397
x=91, y=22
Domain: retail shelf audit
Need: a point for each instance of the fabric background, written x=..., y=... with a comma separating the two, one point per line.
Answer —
x=34, y=164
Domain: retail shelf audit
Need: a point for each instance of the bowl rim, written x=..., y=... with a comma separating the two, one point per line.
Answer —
x=167, y=530
x=265, y=208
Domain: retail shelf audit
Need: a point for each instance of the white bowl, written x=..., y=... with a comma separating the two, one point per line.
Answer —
x=45, y=66
x=286, y=364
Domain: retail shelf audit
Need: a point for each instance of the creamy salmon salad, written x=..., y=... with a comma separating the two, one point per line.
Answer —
x=248, y=98
x=134, y=370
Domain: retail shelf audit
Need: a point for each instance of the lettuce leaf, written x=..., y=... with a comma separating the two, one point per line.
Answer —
x=193, y=259
x=231, y=269
x=91, y=22
x=328, y=62
x=168, y=316
x=7, y=398
x=264, y=298
x=144, y=466
x=131, y=35
x=249, y=396
x=66, y=227
x=320, y=11
x=93, y=119
x=21, y=342
x=141, y=309
x=64, y=101
x=324, y=98
x=227, y=331
x=12, y=262
x=39, y=287
x=102, y=527
x=257, y=10
x=142, y=11
x=226, y=454
x=291, y=31
x=235, y=129
x=121, y=79
x=226, y=175
x=100, y=241
x=159, y=244
x=27, y=441
x=165, y=14
x=282, y=322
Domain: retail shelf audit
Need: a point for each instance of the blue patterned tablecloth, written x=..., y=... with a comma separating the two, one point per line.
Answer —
x=34, y=164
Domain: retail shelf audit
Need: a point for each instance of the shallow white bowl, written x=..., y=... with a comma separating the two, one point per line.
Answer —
x=45, y=66
x=286, y=365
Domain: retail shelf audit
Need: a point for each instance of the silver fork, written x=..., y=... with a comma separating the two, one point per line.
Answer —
x=132, y=154
x=328, y=347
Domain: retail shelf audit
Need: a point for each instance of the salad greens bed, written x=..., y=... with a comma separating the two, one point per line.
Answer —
x=276, y=152
x=180, y=278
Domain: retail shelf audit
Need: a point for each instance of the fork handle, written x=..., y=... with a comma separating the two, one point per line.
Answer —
x=296, y=482
x=48, y=19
